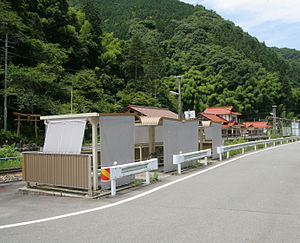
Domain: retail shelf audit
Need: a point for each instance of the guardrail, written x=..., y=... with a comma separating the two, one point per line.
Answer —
x=180, y=158
x=242, y=146
x=119, y=171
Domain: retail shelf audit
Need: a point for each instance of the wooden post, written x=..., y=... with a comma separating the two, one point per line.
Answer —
x=19, y=124
x=141, y=153
x=23, y=167
x=35, y=127
x=151, y=141
x=94, y=121
x=201, y=138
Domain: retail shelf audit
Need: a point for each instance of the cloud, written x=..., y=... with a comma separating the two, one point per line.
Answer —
x=256, y=12
x=194, y=2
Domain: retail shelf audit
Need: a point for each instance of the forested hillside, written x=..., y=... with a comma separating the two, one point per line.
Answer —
x=118, y=15
x=119, y=52
x=288, y=54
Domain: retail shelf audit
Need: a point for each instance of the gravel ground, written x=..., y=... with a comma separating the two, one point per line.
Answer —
x=11, y=177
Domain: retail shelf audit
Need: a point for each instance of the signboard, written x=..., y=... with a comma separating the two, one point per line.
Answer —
x=189, y=115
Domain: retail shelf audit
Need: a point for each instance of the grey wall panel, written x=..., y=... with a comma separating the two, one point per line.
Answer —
x=208, y=133
x=141, y=134
x=159, y=134
x=295, y=129
x=178, y=136
x=117, y=135
x=216, y=130
x=286, y=131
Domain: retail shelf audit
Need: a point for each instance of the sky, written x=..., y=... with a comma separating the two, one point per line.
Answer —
x=276, y=22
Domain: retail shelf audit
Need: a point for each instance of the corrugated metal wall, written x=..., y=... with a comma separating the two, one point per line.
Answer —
x=57, y=169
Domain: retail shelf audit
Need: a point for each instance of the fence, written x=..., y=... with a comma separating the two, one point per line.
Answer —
x=242, y=146
x=57, y=169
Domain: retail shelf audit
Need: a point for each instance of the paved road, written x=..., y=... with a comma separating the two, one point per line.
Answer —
x=253, y=199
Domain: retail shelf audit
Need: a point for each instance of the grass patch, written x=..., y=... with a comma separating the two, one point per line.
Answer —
x=10, y=151
x=136, y=183
x=154, y=177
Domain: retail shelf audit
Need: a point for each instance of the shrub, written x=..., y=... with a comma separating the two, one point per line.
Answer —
x=8, y=137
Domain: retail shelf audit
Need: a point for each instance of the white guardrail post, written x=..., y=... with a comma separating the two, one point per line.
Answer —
x=242, y=146
x=119, y=171
x=178, y=159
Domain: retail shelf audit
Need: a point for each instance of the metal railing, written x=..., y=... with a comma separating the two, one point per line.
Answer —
x=181, y=158
x=242, y=146
x=119, y=171
x=19, y=157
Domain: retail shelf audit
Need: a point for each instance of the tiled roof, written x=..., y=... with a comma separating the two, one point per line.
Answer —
x=233, y=123
x=152, y=111
x=236, y=113
x=221, y=110
x=213, y=118
x=262, y=124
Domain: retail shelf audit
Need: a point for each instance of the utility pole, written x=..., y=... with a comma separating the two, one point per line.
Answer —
x=274, y=119
x=179, y=97
x=5, y=82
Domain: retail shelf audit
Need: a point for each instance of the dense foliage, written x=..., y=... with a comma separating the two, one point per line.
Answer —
x=119, y=52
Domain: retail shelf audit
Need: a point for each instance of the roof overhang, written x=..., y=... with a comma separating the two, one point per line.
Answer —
x=85, y=116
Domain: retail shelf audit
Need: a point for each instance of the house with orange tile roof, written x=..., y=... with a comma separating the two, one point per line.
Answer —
x=257, y=128
x=229, y=118
x=257, y=124
x=226, y=112
x=211, y=117
x=226, y=115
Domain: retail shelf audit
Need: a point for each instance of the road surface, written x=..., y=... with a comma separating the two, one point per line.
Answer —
x=252, y=199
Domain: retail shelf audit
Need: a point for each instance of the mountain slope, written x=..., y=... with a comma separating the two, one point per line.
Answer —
x=118, y=14
x=288, y=54
x=120, y=52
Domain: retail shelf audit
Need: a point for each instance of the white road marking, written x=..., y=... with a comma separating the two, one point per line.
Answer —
x=134, y=197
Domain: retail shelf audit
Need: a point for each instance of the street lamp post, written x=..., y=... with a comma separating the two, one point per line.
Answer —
x=179, y=96
x=274, y=119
